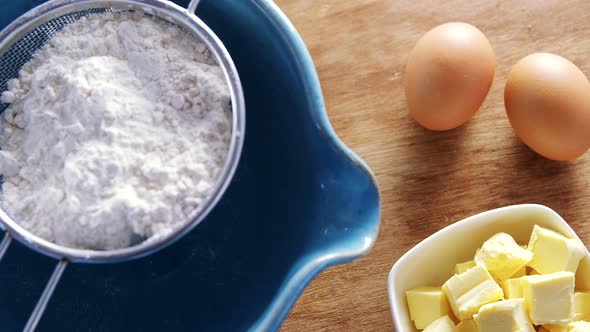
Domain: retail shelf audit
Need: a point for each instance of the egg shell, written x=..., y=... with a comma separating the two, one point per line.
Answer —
x=448, y=75
x=547, y=100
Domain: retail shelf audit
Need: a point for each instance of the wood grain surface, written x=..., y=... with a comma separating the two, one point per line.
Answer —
x=429, y=180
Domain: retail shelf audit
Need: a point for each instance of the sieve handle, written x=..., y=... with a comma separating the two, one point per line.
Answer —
x=44, y=299
x=192, y=6
x=5, y=244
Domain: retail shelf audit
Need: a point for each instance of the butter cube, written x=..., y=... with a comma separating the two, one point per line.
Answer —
x=550, y=297
x=509, y=316
x=582, y=306
x=580, y=326
x=467, y=326
x=462, y=267
x=502, y=256
x=468, y=291
x=512, y=288
x=426, y=305
x=554, y=252
x=443, y=324
x=556, y=328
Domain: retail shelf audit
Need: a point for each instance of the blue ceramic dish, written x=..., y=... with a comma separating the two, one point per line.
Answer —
x=300, y=202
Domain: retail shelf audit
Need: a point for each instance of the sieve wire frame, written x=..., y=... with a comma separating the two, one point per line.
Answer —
x=68, y=10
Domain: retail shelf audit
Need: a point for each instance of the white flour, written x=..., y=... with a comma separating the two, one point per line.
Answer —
x=118, y=126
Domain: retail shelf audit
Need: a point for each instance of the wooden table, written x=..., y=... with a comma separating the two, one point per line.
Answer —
x=429, y=180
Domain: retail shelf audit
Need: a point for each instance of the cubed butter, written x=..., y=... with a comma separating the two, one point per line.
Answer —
x=443, y=324
x=467, y=326
x=426, y=305
x=504, y=316
x=512, y=288
x=580, y=326
x=582, y=306
x=549, y=298
x=554, y=252
x=462, y=267
x=502, y=256
x=468, y=291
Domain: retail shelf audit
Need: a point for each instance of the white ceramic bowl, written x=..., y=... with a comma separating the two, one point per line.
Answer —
x=431, y=262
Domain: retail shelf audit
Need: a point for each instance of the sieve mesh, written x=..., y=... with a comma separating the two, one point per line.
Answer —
x=25, y=36
x=22, y=50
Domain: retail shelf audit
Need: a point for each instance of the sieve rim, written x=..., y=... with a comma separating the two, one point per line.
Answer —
x=171, y=12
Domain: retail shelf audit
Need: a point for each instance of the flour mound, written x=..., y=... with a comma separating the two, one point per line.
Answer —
x=117, y=128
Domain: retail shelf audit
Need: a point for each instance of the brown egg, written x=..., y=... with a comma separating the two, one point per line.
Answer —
x=547, y=101
x=448, y=75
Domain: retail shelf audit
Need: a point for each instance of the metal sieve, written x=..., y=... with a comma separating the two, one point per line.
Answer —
x=22, y=38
